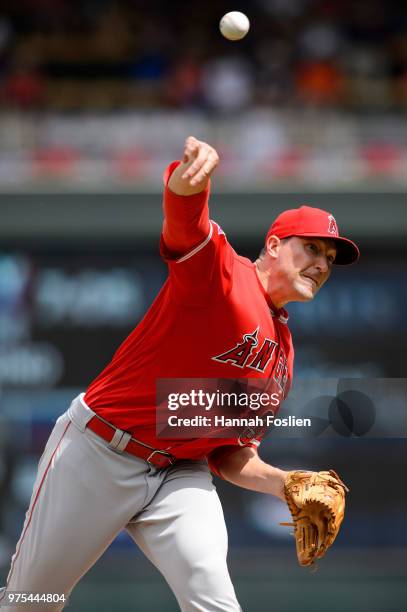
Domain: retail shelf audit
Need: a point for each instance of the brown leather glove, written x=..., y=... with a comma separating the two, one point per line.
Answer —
x=317, y=504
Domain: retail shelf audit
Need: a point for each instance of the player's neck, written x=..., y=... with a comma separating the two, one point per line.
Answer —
x=271, y=285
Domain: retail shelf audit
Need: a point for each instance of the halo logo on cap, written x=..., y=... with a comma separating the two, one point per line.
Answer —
x=332, y=227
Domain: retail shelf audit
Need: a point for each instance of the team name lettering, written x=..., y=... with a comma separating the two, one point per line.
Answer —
x=263, y=356
x=245, y=354
x=281, y=371
x=239, y=354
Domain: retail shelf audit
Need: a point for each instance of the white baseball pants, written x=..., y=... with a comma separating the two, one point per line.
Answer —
x=85, y=493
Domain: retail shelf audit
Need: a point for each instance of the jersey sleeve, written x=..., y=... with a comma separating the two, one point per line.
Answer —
x=198, y=255
x=186, y=218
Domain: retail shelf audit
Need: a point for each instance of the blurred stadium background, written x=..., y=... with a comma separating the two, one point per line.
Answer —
x=96, y=97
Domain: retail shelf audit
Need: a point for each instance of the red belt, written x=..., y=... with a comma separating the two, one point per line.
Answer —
x=158, y=458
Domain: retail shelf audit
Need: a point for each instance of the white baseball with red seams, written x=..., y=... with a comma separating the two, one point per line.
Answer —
x=234, y=25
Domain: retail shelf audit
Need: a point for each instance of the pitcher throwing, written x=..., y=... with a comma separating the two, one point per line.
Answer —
x=218, y=316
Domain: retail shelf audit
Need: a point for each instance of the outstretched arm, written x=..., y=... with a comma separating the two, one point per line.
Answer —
x=186, y=214
x=245, y=469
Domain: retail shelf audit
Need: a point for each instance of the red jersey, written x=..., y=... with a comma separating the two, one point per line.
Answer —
x=212, y=319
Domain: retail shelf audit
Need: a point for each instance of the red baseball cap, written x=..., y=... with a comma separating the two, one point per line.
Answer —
x=315, y=223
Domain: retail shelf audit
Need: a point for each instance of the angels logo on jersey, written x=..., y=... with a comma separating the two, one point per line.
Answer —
x=244, y=354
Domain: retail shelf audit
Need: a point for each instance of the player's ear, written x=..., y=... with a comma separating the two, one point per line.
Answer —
x=273, y=246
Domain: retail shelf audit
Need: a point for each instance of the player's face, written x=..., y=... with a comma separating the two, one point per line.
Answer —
x=304, y=265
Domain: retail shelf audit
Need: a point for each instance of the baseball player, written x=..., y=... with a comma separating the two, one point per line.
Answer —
x=218, y=316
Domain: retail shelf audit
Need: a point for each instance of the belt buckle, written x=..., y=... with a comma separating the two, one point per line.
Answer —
x=162, y=453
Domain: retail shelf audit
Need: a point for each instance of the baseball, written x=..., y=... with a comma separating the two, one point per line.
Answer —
x=234, y=25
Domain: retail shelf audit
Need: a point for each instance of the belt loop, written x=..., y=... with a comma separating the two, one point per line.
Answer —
x=115, y=441
x=119, y=440
x=123, y=442
x=79, y=412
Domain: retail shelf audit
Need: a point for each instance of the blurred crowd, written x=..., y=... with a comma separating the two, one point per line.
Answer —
x=104, y=54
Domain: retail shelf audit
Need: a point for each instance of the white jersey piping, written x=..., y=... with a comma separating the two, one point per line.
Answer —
x=198, y=248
